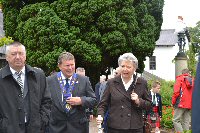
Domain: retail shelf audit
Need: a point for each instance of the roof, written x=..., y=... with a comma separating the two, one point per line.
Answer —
x=168, y=37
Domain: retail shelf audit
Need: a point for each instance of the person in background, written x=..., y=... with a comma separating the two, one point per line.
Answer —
x=125, y=97
x=25, y=100
x=97, y=87
x=97, y=90
x=196, y=101
x=154, y=115
x=117, y=71
x=102, y=85
x=182, y=101
x=89, y=111
x=80, y=71
x=71, y=95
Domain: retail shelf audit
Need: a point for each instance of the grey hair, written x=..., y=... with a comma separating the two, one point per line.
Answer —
x=129, y=57
x=80, y=69
x=14, y=44
x=65, y=56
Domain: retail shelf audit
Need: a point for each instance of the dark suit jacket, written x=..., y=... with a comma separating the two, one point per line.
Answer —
x=75, y=121
x=12, y=117
x=123, y=112
x=196, y=101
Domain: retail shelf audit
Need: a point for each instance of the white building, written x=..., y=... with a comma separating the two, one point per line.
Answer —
x=162, y=63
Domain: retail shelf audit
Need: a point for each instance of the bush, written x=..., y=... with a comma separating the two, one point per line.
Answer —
x=167, y=117
x=166, y=92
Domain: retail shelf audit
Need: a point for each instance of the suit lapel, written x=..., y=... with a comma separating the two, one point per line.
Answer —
x=76, y=86
x=120, y=87
x=58, y=91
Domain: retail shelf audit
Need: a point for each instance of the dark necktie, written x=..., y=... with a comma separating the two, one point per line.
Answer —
x=67, y=83
x=154, y=99
x=66, y=95
x=19, y=80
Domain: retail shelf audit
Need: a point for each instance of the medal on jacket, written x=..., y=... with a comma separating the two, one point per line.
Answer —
x=66, y=90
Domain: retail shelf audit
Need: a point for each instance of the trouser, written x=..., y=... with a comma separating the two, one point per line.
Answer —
x=181, y=119
x=112, y=130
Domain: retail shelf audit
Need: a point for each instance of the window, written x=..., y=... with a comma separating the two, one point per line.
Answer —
x=152, y=63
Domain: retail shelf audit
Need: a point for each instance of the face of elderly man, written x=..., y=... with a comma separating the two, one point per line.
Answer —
x=127, y=69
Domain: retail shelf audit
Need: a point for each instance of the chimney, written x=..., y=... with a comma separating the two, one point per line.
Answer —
x=180, y=18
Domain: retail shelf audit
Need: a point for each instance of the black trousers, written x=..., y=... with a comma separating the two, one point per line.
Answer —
x=112, y=130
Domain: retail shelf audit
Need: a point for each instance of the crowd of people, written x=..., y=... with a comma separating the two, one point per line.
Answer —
x=64, y=101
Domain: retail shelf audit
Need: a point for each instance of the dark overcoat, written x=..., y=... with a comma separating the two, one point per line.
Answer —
x=74, y=121
x=12, y=117
x=123, y=112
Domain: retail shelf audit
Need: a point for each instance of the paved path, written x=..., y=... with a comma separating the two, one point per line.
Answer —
x=94, y=129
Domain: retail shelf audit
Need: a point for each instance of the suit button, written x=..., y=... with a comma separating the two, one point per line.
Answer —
x=19, y=95
x=129, y=115
x=122, y=107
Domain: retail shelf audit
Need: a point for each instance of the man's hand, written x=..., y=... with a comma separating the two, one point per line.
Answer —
x=74, y=101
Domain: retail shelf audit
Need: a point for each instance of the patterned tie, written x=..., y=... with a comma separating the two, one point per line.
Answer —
x=19, y=80
x=66, y=95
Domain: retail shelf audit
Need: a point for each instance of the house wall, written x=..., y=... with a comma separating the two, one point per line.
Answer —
x=165, y=65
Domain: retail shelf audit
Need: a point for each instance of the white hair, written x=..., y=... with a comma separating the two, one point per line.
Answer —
x=14, y=44
x=129, y=57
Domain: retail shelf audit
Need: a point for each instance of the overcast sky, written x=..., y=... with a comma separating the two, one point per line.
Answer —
x=188, y=9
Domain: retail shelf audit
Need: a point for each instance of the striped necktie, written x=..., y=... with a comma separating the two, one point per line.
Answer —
x=19, y=80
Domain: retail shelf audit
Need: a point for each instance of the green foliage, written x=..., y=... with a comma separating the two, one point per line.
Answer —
x=167, y=117
x=5, y=41
x=191, y=60
x=10, y=22
x=95, y=31
x=166, y=92
x=195, y=36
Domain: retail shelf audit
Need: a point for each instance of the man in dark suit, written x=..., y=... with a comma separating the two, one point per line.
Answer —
x=71, y=95
x=25, y=101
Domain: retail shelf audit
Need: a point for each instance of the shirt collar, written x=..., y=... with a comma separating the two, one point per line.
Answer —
x=63, y=77
x=130, y=81
x=152, y=93
x=127, y=85
x=13, y=71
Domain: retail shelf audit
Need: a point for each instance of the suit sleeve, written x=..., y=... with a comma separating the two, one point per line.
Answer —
x=45, y=100
x=88, y=101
